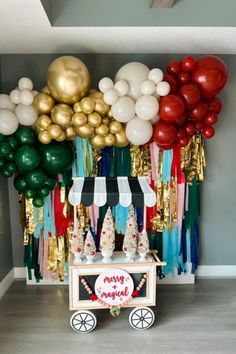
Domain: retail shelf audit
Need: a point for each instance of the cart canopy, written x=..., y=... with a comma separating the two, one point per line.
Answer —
x=112, y=191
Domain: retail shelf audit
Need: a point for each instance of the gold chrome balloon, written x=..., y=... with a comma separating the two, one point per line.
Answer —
x=70, y=134
x=54, y=131
x=121, y=138
x=43, y=122
x=62, y=115
x=94, y=119
x=96, y=94
x=85, y=131
x=44, y=137
x=79, y=119
x=102, y=130
x=110, y=139
x=38, y=129
x=61, y=138
x=87, y=105
x=115, y=127
x=97, y=142
x=43, y=103
x=68, y=79
x=77, y=107
x=45, y=89
x=101, y=107
x=109, y=114
x=106, y=120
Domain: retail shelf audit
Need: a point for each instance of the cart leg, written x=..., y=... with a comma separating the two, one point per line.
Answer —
x=141, y=318
x=83, y=321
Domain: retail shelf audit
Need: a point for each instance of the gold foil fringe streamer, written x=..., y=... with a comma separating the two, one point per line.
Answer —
x=140, y=161
x=96, y=158
x=58, y=254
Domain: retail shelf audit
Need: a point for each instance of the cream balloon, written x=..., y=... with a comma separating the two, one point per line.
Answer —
x=26, y=97
x=15, y=96
x=146, y=107
x=35, y=92
x=155, y=119
x=122, y=87
x=134, y=73
x=156, y=75
x=148, y=87
x=163, y=88
x=105, y=84
x=124, y=109
x=25, y=84
x=26, y=115
x=8, y=122
x=6, y=103
x=110, y=96
x=139, y=131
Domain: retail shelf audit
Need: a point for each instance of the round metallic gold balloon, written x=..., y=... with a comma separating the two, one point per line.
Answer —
x=96, y=94
x=79, y=119
x=44, y=137
x=54, y=131
x=45, y=89
x=77, y=107
x=109, y=114
x=115, y=127
x=106, y=120
x=43, y=103
x=70, y=134
x=102, y=130
x=121, y=138
x=62, y=115
x=43, y=121
x=62, y=137
x=94, y=119
x=87, y=105
x=68, y=79
x=38, y=129
x=101, y=107
x=85, y=131
x=110, y=139
x=97, y=142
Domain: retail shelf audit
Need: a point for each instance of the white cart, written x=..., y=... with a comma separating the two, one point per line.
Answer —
x=141, y=317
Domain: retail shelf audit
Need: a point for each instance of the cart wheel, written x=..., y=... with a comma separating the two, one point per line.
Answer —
x=141, y=318
x=83, y=321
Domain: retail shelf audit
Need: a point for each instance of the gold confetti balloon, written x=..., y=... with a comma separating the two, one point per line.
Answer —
x=44, y=137
x=110, y=139
x=97, y=142
x=62, y=115
x=54, y=131
x=68, y=79
x=79, y=119
x=115, y=127
x=85, y=131
x=43, y=103
x=102, y=130
x=121, y=138
x=94, y=119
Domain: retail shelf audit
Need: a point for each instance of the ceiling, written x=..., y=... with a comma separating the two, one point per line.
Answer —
x=25, y=28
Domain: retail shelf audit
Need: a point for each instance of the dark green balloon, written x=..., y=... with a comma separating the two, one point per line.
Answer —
x=11, y=157
x=20, y=183
x=38, y=202
x=56, y=157
x=51, y=182
x=13, y=142
x=5, y=149
x=25, y=135
x=2, y=137
x=35, y=179
x=44, y=191
x=11, y=167
x=2, y=163
x=30, y=193
x=27, y=158
x=5, y=173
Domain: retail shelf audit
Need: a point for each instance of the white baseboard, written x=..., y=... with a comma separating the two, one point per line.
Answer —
x=178, y=279
x=216, y=271
x=20, y=272
x=6, y=282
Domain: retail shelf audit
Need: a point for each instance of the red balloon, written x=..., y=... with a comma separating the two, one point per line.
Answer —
x=199, y=125
x=180, y=120
x=190, y=128
x=181, y=133
x=198, y=112
x=164, y=134
x=208, y=132
x=210, y=74
x=184, y=141
x=188, y=63
x=184, y=78
x=171, y=107
x=191, y=95
x=215, y=105
x=172, y=82
x=166, y=146
x=210, y=119
x=173, y=68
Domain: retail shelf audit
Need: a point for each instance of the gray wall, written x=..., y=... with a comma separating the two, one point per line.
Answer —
x=218, y=226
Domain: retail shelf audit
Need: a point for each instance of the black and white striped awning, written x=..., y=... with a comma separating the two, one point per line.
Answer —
x=112, y=191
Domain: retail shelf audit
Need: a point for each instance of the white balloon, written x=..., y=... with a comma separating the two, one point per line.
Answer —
x=134, y=73
x=110, y=96
x=155, y=119
x=105, y=84
x=8, y=122
x=156, y=75
x=148, y=87
x=124, y=109
x=26, y=97
x=146, y=107
x=15, y=96
x=139, y=131
x=163, y=88
x=35, y=92
x=6, y=103
x=122, y=87
x=26, y=115
x=25, y=84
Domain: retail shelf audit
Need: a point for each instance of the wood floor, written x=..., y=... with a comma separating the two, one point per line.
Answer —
x=190, y=319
